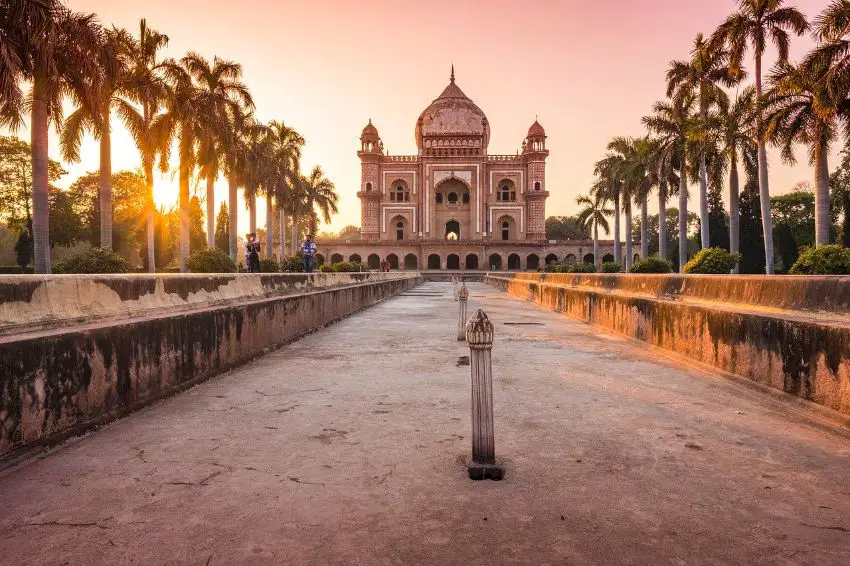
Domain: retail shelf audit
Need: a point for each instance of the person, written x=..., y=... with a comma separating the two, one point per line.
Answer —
x=308, y=248
x=252, y=253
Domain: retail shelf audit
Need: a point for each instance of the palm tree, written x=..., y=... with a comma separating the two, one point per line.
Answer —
x=701, y=76
x=184, y=120
x=221, y=94
x=593, y=214
x=287, y=150
x=320, y=198
x=54, y=49
x=609, y=187
x=798, y=110
x=733, y=126
x=106, y=91
x=144, y=85
x=672, y=122
x=755, y=23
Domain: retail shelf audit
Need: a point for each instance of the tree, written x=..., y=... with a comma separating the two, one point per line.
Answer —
x=592, y=216
x=756, y=22
x=16, y=183
x=319, y=198
x=23, y=248
x=701, y=76
x=286, y=146
x=52, y=48
x=798, y=110
x=752, y=238
x=718, y=220
x=221, y=95
x=839, y=183
x=222, y=228
x=671, y=217
x=94, y=114
x=197, y=235
x=145, y=86
x=129, y=207
x=794, y=222
x=563, y=228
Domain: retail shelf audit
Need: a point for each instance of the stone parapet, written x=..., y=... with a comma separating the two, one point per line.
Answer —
x=117, y=343
x=786, y=333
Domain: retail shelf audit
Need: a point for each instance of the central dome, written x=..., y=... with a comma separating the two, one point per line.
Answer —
x=452, y=114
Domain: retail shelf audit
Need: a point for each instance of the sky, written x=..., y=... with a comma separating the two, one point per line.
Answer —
x=588, y=70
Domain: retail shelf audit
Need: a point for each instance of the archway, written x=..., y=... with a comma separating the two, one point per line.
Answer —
x=354, y=258
x=551, y=258
x=607, y=258
x=411, y=262
x=433, y=261
x=588, y=258
x=636, y=258
x=320, y=259
x=453, y=230
x=506, y=228
x=393, y=261
x=398, y=226
x=471, y=261
x=513, y=261
x=571, y=258
x=494, y=262
x=532, y=262
x=453, y=262
x=336, y=258
x=374, y=261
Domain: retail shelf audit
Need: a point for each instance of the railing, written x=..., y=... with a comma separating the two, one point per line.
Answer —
x=402, y=158
x=503, y=157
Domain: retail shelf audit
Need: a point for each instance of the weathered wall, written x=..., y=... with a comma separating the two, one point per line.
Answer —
x=97, y=347
x=789, y=333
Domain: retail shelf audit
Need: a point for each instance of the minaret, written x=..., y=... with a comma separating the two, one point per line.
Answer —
x=535, y=153
x=371, y=154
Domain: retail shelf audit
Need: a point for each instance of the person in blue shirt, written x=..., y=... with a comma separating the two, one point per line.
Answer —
x=308, y=248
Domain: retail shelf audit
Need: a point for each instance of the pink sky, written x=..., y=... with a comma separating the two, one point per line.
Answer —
x=588, y=69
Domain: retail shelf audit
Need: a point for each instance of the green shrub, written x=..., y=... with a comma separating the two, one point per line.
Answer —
x=269, y=265
x=552, y=267
x=652, y=264
x=355, y=266
x=293, y=264
x=210, y=261
x=325, y=268
x=611, y=267
x=93, y=260
x=825, y=260
x=343, y=267
x=580, y=268
x=712, y=260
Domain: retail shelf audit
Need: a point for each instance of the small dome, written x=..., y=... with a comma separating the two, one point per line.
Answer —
x=370, y=131
x=536, y=130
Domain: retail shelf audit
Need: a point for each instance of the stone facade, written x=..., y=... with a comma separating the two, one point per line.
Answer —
x=453, y=205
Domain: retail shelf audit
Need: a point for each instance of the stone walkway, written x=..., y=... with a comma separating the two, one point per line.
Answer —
x=348, y=447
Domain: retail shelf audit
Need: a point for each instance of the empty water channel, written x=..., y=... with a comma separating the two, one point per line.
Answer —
x=350, y=445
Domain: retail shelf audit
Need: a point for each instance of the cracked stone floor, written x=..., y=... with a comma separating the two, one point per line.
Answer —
x=347, y=447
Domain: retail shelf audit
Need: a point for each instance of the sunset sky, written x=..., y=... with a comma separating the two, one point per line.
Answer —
x=588, y=69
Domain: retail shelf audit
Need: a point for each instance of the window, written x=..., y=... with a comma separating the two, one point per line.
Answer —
x=465, y=198
x=439, y=198
x=537, y=186
x=399, y=193
x=368, y=187
x=506, y=231
x=399, y=232
x=506, y=193
x=452, y=198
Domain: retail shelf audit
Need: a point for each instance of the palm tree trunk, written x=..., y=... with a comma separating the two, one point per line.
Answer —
x=232, y=209
x=764, y=189
x=627, y=204
x=596, y=259
x=211, y=212
x=106, y=183
x=644, y=228
x=282, y=232
x=734, y=210
x=269, y=226
x=662, y=220
x=822, y=220
x=705, y=239
x=149, y=205
x=40, y=202
x=617, y=250
x=294, y=220
x=184, y=205
x=683, y=217
x=252, y=213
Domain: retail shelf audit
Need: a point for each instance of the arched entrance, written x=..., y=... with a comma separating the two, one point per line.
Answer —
x=588, y=258
x=411, y=263
x=453, y=230
x=453, y=262
x=393, y=260
x=571, y=258
x=336, y=258
x=354, y=258
x=471, y=261
x=532, y=262
x=551, y=258
x=320, y=259
x=433, y=261
x=374, y=261
x=607, y=258
x=513, y=261
x=494, y=262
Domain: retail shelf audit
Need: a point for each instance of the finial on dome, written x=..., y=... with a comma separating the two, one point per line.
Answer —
x=452, y=78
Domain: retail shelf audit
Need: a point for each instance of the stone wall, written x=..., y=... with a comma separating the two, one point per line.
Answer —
x=787, y=333
x=77, y=351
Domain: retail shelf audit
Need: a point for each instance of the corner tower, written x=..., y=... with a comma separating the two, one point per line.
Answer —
x=371, y=153
x=535, y=153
